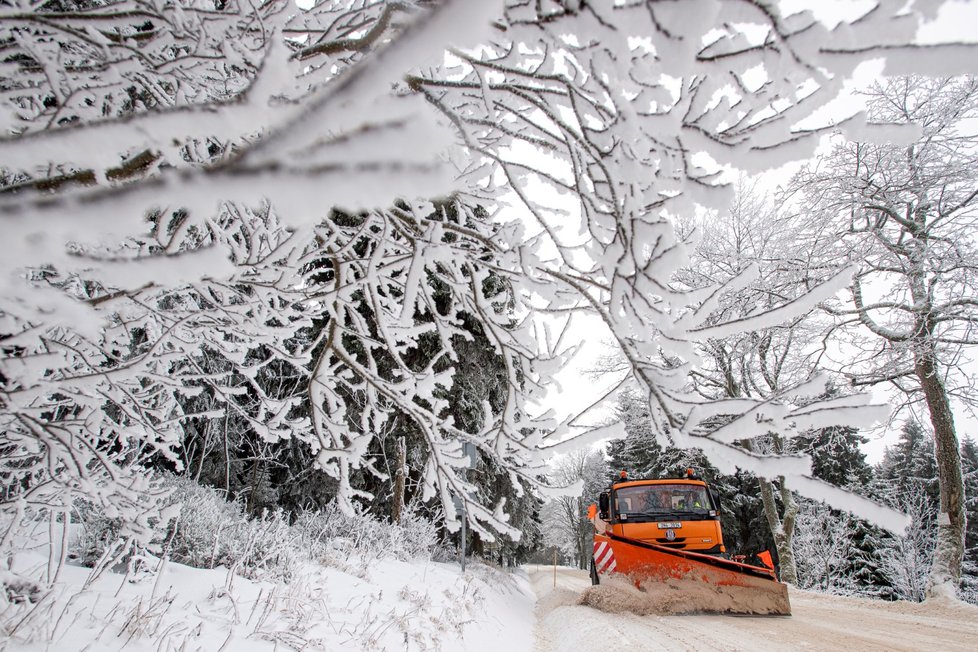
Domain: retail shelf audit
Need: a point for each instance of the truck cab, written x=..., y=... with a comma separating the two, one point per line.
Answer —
x=677, y=513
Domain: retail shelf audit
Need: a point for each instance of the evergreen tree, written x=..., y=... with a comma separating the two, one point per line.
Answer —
x=745, y=530
x=869, y=576
x=969, y=575
x=909, y=462
x=906, y=478
x=640, y=453
x=836, y=456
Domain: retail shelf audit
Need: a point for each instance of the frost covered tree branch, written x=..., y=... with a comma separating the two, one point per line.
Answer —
x=287, y=214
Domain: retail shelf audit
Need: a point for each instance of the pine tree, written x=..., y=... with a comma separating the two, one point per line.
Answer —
x=870, y=544
x=745, y=530
x=640, y=453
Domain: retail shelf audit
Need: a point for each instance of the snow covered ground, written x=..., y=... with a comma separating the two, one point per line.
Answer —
x=386, y=605
x=818, y=622
x=425, y=605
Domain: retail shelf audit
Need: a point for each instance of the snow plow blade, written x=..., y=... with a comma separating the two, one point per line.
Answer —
x=678, y=581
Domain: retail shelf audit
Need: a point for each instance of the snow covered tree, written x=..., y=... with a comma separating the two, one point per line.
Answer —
x=906, y=478
x=835, y=551
x=837, y=457
x=910, y=462
x=905, y=214
x=760, y=363
x=745, y=527
x=190, y=111
x=907, y=559
x=969, y=574
x=639, y=453
x=538, y=87
x=825, y=549
x=763, y=363
x=569, y=528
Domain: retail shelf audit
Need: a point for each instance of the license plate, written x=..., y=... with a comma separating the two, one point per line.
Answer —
x=669, y=525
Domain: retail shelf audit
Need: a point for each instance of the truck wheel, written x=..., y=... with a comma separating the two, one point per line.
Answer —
x=595, y=580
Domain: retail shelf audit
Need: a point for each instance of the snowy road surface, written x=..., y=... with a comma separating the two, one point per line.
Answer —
x=818, y=622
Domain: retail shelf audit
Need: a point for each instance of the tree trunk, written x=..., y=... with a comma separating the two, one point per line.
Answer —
x=584, y=538
x=945, y=574
x=399, y=481
x=781, y=529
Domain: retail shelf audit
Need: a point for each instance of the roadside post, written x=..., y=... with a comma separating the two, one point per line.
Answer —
x=469, y=450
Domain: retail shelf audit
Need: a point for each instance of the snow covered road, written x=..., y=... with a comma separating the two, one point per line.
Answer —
x=818, y=622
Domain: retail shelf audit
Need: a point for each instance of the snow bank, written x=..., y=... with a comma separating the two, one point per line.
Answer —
x=394, y=605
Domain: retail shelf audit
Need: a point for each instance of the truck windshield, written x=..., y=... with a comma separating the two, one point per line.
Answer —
x=662, y=499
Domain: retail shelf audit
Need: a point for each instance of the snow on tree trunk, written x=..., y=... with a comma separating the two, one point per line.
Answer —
x=782, y=529
x=945, y=573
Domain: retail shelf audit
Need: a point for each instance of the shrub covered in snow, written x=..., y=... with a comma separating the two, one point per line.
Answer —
x=211, y=531
x=96, y=534
x=331, y=536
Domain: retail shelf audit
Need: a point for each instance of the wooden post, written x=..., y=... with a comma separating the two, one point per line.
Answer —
x=555, y=567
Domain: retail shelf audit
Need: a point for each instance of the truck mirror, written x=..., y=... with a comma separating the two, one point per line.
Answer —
x=603, y=505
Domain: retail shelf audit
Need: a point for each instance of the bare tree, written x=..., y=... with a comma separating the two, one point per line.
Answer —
x=905, y=214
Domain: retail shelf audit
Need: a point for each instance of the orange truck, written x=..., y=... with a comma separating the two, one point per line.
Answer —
x=666, y=531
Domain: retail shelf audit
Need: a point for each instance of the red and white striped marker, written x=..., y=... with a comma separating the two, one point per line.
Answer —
x=604, y=557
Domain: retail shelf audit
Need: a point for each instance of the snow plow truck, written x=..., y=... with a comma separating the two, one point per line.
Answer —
x=665, y=534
